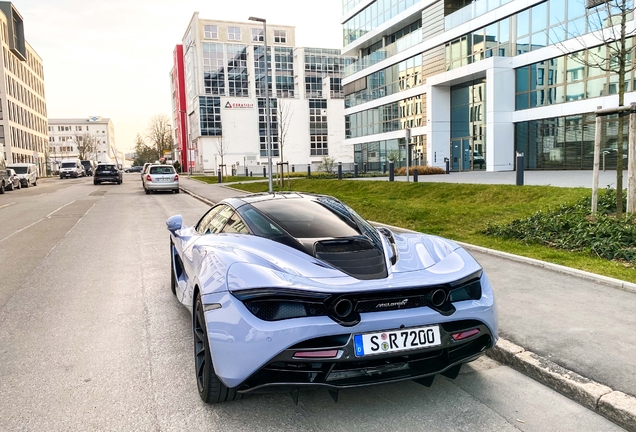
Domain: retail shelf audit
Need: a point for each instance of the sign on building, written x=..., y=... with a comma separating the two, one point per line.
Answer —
x=238, y=105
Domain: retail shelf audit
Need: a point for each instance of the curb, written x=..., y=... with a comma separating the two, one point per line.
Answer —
x=199, y=197
x=616, y=406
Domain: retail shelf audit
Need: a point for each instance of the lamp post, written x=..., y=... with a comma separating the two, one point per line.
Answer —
x=268, y=137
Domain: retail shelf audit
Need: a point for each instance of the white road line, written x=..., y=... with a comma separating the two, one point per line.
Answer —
x=7, y=205
x=36, y=222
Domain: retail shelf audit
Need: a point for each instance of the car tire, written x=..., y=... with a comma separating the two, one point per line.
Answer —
x=1, y=188
x=19, y=185
x=211, y=389
x=147, y=191
x=35, y=183
x=27, y=184
x=173, y=279
x=95, y=183
x=176, y=191
x=9, y=187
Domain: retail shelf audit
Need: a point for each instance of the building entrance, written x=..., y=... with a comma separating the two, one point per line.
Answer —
x=468, y=126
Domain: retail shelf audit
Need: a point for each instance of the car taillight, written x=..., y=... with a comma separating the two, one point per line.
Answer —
x=465, y=334
x=148, y=178
x=176, y=177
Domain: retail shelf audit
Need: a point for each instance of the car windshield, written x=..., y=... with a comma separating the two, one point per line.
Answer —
x=161, y=170
x=20, y=170
x=106, y=168
x=86, y=164
x=68, y=164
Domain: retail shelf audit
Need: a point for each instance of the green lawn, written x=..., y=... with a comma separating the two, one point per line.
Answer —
x=227, y=179
x=460, y=212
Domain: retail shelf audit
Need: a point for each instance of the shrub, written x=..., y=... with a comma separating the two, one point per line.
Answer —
x=573, y=228
x=421, y=170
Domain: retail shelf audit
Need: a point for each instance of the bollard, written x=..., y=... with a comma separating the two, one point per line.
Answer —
x=355, y=170
x=364, y=167
x=250, y=173
x=414, y=176
x=383, y=168
x=293, y=168
x=264, y=172
x=220, y=177
x=447, y=162
x=519, y=168
x=339, y=170
x=308, y=170
x=391, y=171
x=245, y=171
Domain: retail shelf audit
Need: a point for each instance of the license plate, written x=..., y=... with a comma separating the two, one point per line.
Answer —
x=396, y=340
x=165, y=180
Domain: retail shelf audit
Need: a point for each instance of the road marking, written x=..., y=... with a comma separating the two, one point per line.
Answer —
x=7, y=205
x=36, y=222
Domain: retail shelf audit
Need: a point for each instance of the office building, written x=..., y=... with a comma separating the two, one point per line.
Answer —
x=477, y=82
x=23, y=122
x=225, y=88
x=67, y=138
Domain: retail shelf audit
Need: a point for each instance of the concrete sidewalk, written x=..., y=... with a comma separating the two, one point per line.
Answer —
x=580, y=321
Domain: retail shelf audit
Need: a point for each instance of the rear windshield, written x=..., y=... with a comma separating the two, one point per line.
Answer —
x=68, y=165
x=304, y=218
x=86, y=163
x=106, y=168
x=20, y=170
x=161, y=170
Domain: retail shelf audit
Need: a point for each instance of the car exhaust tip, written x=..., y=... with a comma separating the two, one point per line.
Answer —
x=438, y=297
x=343, y=308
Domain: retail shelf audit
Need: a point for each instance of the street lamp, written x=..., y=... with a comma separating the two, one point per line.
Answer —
x=269, y=141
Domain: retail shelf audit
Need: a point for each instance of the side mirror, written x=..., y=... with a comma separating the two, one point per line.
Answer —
x=174, y=223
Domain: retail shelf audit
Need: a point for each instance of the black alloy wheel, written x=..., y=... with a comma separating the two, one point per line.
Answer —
x=1, y=188
x=211, y=389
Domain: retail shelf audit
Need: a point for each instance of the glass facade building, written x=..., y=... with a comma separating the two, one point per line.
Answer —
x=481, y=80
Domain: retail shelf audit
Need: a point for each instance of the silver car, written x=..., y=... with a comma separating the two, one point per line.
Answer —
x=161, y=178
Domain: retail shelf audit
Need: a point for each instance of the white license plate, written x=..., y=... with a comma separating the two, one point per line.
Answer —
x=164, y=180
x=396, y=340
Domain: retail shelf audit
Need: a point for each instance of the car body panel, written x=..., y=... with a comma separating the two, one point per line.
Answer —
x=13, y=180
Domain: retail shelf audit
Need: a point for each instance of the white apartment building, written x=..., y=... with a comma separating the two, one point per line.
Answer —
x=22, y=101
x=224, y=71
x=67, y=138
x=478, y=81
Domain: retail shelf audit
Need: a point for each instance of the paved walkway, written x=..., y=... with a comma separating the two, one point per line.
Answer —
x=580, y=323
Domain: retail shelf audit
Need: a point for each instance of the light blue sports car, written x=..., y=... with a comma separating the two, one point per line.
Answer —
x=293, y=290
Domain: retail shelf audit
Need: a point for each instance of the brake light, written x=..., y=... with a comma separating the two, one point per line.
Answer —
x=316, y=354
x=148, y=178
x=176, y=177
x=465, y=334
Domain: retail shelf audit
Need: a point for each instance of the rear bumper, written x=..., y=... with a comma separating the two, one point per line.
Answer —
x=162, y=186
x=69, y=174
x=106, y=179
x=251, y=354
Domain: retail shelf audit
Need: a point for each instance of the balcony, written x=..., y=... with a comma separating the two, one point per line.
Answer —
x=398, y=46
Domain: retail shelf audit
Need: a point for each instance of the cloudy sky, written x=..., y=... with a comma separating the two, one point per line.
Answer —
x=112, y=58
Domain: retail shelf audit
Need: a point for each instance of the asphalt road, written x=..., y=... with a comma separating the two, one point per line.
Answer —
x=91, y=338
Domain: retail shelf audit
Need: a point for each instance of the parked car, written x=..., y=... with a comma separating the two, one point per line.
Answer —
x=107, y=173
x=478, y=159
x=4, y=181
x=89, y=166
x=295, y=290
x=71, y=168
x=161, y=178
x=134, y=169
x=27, y=172
x=13, y=180
x=144, y=168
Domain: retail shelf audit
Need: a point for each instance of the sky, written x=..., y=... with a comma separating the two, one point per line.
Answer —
x=112, y=58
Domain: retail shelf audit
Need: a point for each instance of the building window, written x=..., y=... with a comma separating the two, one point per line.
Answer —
x=234, y=33
x=78, y=128
x=210, y=115
x=213, y=69
x=210, y=32
x=262, y=126
x=257, y=35
x=318, y=130
x=260, y=71
x=237, y=70
x=280, y=36
x=284, y=64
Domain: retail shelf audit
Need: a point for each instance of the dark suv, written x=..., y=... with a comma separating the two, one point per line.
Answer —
x=107, y=173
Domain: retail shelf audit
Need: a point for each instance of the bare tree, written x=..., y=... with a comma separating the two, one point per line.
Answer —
x=160, y=134
x=284, y=115
x=613, y=51
x=86, y=145
x=221, y=145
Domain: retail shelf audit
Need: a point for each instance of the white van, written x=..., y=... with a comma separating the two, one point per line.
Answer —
x=71, y=168
x=27, y=173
